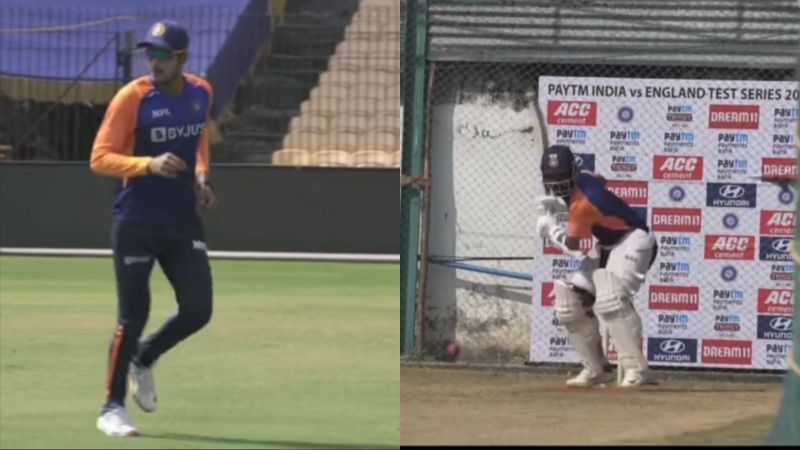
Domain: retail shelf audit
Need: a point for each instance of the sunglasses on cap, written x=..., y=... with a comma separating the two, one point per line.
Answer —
x=161, y=54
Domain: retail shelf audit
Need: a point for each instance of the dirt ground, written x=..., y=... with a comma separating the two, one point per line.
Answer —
x=440, y=406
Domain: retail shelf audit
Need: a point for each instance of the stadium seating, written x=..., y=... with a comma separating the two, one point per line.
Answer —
x=352, y=117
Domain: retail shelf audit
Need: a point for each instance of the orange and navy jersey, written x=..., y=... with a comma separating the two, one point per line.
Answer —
x=143, y=122
x=595, y=211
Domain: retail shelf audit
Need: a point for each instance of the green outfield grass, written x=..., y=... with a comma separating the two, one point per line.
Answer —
x=296, y=355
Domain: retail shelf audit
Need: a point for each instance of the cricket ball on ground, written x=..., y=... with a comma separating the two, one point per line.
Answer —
x=453, y=349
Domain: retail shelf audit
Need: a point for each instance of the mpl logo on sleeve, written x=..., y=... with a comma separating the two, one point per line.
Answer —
x=561, y=112
x=774, y=248
x=722, y=351
x=547, y=291
x=778, y=168
x=634, y=193
x=776, y=301
x=778, y=223
x=731, y=195
x=672, y=350
x=733, y=117
x=684, y=220
x=775, y=327
x=666, y=167
x=674, y=298
x=730, y=247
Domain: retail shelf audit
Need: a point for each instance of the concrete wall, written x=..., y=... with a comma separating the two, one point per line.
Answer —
x=262, y=208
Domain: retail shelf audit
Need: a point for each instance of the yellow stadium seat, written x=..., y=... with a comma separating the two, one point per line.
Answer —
x=332, y=158
x=291, y=157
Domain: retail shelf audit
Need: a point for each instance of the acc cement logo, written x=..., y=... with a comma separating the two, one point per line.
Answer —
x=625, y=114
x=672, y=346
x=729, y=273
x=676, y=193
x=730, y=221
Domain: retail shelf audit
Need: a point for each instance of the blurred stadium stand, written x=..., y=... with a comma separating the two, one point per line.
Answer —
x=297, y=82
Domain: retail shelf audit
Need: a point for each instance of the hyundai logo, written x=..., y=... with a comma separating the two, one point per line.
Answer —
x=731, y=191
x=677, y=193
x=730, y=221
x=780, y=323
x=782, y=245
x=675, y=346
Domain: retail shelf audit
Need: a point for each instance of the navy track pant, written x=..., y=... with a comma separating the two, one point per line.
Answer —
x=181, y=253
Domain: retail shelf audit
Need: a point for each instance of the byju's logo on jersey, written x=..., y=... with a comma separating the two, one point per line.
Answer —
x=776, y=301
x=672, y=350
x=730, y=195
x=739, y=117
x=775, y=327
x=774, y=248
x=674, y=298
x=164, y=134
x=573, y=113
x=667, y=167
x=718, y=351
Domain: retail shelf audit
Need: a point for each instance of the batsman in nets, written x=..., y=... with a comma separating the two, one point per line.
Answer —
x=601, y=291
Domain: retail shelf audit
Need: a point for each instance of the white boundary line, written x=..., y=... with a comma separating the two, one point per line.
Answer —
x=274, y=256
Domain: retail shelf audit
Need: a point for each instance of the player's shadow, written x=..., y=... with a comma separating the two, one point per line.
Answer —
x=262, y=443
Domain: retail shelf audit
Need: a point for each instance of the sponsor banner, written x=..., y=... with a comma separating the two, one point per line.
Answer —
x=777, y=223
x=704, y=162
x=776, y=301
x=729, y=352
x=574, y=113
x=671, y=350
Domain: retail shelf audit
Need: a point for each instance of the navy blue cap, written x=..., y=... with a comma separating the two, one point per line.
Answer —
x=166, y=34
x=557, y=162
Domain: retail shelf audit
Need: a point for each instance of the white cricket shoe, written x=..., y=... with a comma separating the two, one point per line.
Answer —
x=142, y=386
x=588, y=378
x=635, y=379
x=117, y=423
